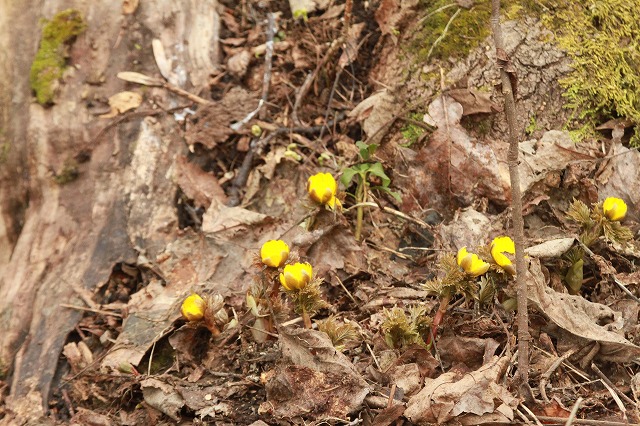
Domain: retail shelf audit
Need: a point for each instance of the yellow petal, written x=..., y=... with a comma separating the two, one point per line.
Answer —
x=471, y=263
x=296, y=276
x=614, y=208
x=274, y=253
x=499, y=246
x=322, y=188
x=193, y=308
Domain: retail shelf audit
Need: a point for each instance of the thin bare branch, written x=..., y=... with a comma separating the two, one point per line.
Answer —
x=504, y=64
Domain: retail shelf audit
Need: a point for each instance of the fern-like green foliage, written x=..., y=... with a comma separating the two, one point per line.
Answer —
x=595, y=224
x=402, y=330
x=341, y=334
x=453, y=280
x=309, y=298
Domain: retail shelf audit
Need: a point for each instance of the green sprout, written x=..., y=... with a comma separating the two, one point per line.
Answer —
x=401, y=330
x=364, y=173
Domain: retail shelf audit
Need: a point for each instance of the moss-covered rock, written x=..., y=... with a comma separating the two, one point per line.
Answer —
x=601, y=37
x=50, y=60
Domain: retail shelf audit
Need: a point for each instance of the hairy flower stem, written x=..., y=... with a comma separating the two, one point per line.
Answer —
x=361, y=197
x=437, y=319
x=306, y=319
x=524, y=336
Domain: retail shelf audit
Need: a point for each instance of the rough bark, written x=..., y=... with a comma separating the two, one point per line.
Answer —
x=60, y=241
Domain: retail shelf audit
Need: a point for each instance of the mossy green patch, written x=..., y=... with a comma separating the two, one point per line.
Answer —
x=50, y=60
x=601, y=37
x=465, y=28
x=411, y=132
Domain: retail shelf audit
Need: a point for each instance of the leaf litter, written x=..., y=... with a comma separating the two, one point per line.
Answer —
x=181, y=371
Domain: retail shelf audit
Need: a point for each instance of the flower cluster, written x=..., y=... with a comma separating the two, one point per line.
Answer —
x=474, y=266
x=283, y=270
x=208, y=311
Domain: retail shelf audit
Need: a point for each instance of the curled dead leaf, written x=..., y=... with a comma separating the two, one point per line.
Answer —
x=123, y=102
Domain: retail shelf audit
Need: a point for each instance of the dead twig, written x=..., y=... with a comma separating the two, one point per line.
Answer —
x=574, y=412
x=547, y=374
x=562, y=420
x=272, y=28
x=256, y=147
x=533, y=416
x=96, y=311
x=393, y=212
x=304, y=89
x=444, y=33
x=610, y=384
x=506, y=73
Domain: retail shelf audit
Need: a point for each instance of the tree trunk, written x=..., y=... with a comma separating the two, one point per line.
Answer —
x=60, y=241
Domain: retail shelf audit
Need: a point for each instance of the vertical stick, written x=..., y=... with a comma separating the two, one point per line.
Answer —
x=516, y=196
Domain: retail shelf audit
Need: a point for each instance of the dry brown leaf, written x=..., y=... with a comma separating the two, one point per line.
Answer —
x=351, y=47
x=162, y=396
x=129, y=6
x=388, y=416
x=375, y=112
x=200, y=186
x=622, y=168
x=469, y=351
x=455, y=394
x=122, y=102
x=551, y=248
x=581, y=318
x=238, y=64
x=474, y=101
x=219, y=218
x=386, y=16
x=163, y=63
x=550, y=154
x=84, y=417
x=211, y=124
x=313, y=379
x=136, y=77
x=472, y=166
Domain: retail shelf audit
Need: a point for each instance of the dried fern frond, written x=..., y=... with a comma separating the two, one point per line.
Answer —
x=341, y=334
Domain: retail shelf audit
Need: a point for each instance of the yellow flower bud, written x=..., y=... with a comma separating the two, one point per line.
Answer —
x=614, y=208
x=296, y=276
x=471, y=263
x=322, y=188
x=274, y=253
x=499, y=246
x=193, y=308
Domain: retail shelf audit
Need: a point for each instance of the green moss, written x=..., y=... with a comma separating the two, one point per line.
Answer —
x=69, y=172
x=412, y=132
x=50, y=60
x=601, y=37
x=465, y=32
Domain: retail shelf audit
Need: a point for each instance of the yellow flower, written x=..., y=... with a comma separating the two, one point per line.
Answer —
x=274, y=253
x=322, y=188
x=471, y=263
x=614, y=208
x=296, y=276
x=499, y=246
x=193, y=308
